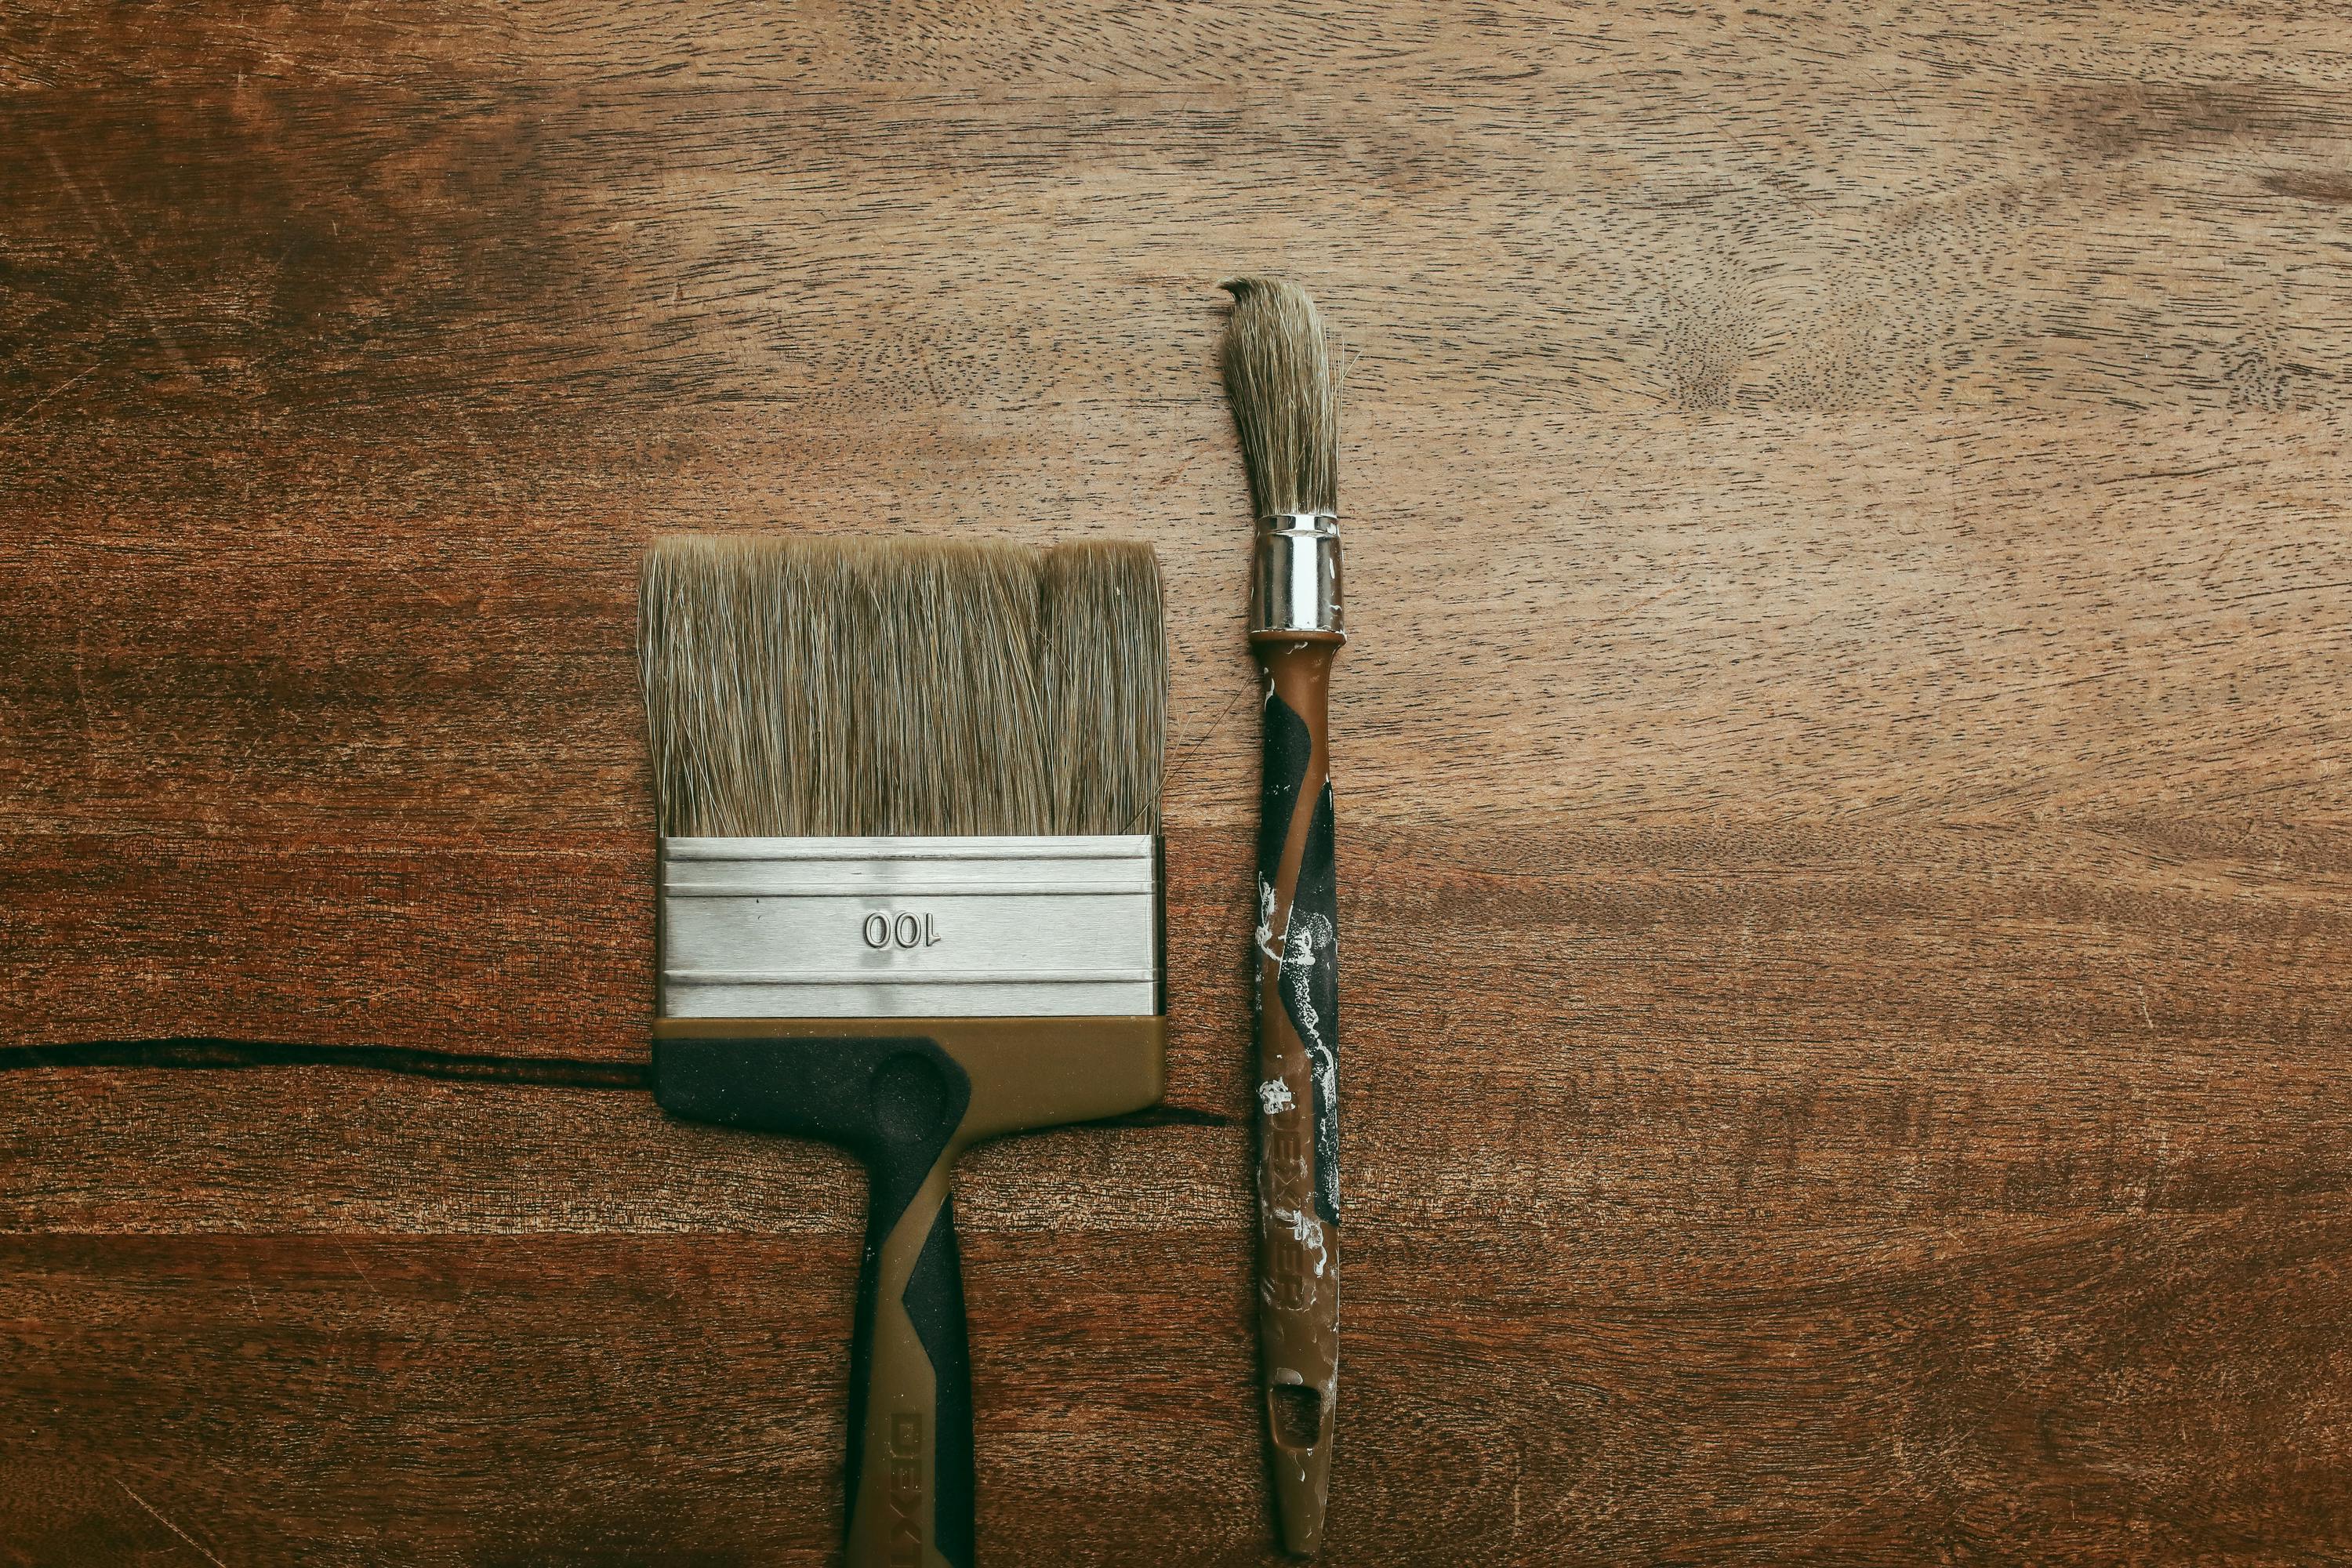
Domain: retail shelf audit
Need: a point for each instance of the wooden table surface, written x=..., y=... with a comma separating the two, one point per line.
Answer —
x=1846, y=815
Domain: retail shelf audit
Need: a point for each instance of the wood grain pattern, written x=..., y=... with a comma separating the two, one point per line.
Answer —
x=1847, y=861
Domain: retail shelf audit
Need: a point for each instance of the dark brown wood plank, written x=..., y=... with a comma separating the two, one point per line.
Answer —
x=2024, y=1387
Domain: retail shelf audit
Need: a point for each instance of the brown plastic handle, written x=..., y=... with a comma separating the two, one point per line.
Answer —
x=1297, y=1001
x=908, y=1096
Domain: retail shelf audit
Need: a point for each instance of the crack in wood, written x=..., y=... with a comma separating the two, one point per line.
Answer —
x=213, y=1053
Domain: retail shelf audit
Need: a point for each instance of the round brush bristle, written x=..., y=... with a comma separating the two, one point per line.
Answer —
x=1281, y=379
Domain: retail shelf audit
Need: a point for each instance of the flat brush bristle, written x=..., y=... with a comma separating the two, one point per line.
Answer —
x=1104, y=680
x=800, y=687
x=1285, y=391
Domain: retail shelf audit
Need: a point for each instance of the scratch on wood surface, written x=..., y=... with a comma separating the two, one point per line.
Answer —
x=39, y=403
x=362, y=1273
x=122, y=265
x=193, y=1545
x=1185, y=753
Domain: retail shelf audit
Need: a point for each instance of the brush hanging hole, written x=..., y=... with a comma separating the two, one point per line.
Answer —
x=1296, y=1413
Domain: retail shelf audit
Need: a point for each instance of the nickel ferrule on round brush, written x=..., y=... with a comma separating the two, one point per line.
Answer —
x=1295, y=587
x=1285, y=395
x=908, y=899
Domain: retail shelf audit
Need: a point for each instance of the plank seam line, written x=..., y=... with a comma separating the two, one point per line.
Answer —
x=214, y=1052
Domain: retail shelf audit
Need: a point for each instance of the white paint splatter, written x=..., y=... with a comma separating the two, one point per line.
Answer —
x=1275, y=1094
x=1306, y=1229
x=1266, y=921
x=1299, y=967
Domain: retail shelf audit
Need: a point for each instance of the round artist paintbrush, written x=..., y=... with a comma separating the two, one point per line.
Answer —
x=1286, y=400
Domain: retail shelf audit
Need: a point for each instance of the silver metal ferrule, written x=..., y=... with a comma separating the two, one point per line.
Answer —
x=1295, y=583
x=908, y=927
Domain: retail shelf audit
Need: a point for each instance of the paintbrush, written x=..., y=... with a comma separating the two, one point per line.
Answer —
x=1285, y=393
x=908, y=800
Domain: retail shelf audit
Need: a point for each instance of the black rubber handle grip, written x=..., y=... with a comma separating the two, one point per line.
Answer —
x=897, y=1103
x=908, y=1475
x=906, y=1103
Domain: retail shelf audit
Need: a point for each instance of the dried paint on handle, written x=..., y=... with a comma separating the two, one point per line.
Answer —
x=1297, y=1006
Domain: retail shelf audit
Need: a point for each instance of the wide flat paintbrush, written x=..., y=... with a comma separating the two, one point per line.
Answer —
x=1286, y=400
x=908, y=796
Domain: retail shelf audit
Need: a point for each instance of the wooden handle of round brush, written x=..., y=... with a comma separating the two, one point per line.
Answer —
x=1296, y=1000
